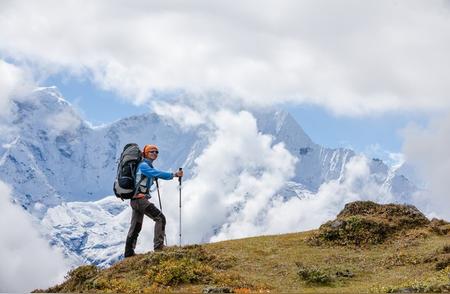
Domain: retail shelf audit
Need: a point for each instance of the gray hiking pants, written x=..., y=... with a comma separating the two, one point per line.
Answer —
x=140, y=207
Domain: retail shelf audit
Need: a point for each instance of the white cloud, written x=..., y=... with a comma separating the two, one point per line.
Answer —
x=66, y=121
x=310, y=213
x=353, y=57
x=27, y=261
x=426, y=149
x=240, y=167
x=181, y=114
x=297, y=214
x=14, y=81
x=392, y=159
x=235, y=191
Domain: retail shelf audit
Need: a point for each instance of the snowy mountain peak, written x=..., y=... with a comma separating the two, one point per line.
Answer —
x=48, y=96
x=283, y=127
x=44, y=110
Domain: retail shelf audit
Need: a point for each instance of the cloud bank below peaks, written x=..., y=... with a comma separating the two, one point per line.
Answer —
x=295, y=214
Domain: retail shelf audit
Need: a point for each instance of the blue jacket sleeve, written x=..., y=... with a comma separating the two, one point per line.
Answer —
x=151, y=172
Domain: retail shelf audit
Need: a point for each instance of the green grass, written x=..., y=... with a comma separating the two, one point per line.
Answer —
x=414, y=259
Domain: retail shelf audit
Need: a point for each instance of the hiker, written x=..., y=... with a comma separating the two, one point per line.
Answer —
x=145, y=173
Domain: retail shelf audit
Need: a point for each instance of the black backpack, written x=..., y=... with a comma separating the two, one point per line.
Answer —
x=125, y=182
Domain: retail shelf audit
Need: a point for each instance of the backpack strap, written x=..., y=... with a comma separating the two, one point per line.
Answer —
x=136, y=188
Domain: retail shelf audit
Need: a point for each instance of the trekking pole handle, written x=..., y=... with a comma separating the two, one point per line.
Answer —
x=179, y=178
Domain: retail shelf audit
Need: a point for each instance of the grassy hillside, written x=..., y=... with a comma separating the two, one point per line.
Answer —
x=368, y=248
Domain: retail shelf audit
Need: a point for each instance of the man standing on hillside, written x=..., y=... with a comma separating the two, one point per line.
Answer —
x=140, y=204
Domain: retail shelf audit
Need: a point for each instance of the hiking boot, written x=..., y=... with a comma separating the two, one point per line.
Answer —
x=129, y=250
x=129, y=254
x=159, y=248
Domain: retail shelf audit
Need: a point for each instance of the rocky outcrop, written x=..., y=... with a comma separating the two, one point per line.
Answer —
x=366, y=222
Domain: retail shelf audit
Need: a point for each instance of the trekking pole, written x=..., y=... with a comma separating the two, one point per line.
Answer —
x=160, y=206
x=179, y=186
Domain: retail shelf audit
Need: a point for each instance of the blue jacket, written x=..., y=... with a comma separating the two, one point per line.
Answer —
x=145, y=168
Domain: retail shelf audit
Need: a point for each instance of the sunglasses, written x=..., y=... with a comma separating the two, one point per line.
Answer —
x=154, y=152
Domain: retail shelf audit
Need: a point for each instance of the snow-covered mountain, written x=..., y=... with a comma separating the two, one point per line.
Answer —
x=89, y=232
x=53, y=158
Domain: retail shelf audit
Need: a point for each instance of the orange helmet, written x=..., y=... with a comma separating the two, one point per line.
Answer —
x=149, y=147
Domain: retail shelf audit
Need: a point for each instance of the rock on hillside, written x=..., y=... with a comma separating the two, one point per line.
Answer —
x=366, y=222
